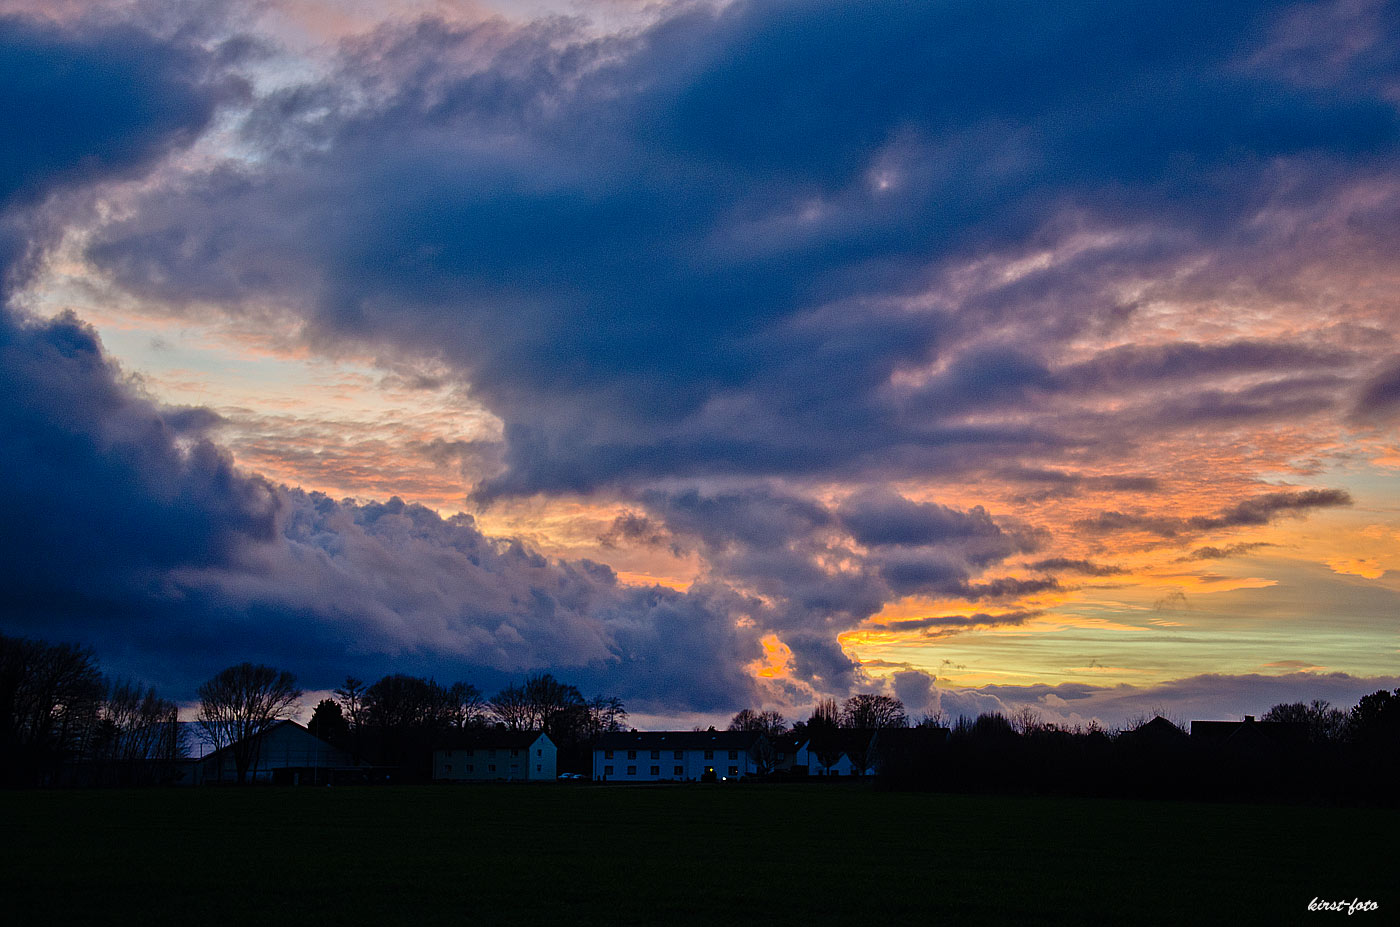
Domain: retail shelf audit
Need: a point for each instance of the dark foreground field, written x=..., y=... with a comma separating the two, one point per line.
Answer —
x=814, y=855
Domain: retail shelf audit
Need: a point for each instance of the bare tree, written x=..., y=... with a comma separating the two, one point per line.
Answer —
x=770, y=723
x=825, y=715
x=1325, y=724
x=511, y=707
x=606, y=713
x=1027, y=721
x=553, y=706
x=866, y=711
x=467, y=706
x=241, y=703
x=50, y=698
x=933, y=719
x=352, y=700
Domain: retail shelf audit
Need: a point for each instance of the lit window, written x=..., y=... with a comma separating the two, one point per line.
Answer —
x=733, y=771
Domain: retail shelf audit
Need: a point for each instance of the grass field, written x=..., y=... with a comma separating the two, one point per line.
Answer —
x=815, y=855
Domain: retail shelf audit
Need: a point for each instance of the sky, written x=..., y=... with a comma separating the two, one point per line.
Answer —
x=712, y=355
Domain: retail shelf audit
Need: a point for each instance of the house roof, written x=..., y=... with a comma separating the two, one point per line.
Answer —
x=1248, y=731
x=678, y=740
x=1159, y=730
x=263, y=733
x=493, y=738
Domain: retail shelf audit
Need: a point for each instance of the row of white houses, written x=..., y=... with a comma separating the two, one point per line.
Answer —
x=289, y=753
x=659, y=756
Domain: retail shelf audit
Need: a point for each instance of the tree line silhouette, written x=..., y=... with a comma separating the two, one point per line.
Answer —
x=58, y=710
x=62, y=722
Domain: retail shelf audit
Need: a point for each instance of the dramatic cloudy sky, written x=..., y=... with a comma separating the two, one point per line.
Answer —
x=710, y=354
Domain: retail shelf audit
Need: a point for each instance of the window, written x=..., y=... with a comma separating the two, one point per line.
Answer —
x=449, y=768
x=656, y=770
x=680, y=754
x=733, y=754
x=678, y=771
x=656, y=754
x=449, y=754
x=515, y=751
x=607, y=754
x=491, y=768
x=492, y=754
x=539, y=753
x=733, y=771
x=471, y=768
x=607, y=770
x=515, y=767
x=539, y=768
x=631, y=754
x=631, y=770
x=709, y=754
x=469, y=753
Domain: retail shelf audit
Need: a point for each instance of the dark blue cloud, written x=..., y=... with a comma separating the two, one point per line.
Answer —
x=879, y=518
x=97, y=481
x=101, y=487
x=694, y=250
x=127, y=528
x=1380, y=395
x=88, y=104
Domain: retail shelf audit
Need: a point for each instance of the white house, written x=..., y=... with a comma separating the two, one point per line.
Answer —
x=845, y=752
x=496, y=753
x=285, y=753
x=655, y=756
